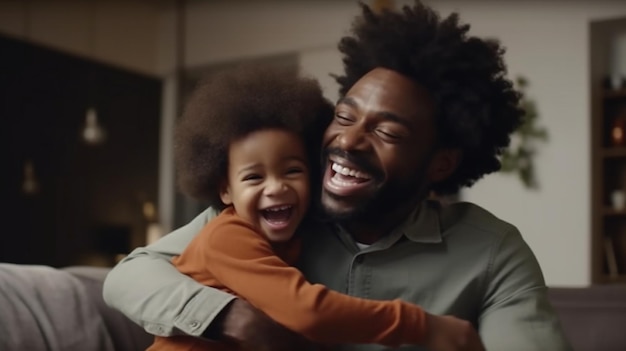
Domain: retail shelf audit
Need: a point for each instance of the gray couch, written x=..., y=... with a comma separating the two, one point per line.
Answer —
x=47, y=309
x=594, y=318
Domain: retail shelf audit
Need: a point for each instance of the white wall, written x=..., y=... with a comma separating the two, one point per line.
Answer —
x=227, y=30
x=547, y=42
x=121, y=33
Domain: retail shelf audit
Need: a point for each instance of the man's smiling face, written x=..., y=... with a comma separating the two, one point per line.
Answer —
x=378, y=147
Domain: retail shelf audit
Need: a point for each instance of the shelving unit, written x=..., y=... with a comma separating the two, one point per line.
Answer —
x=609, y=175
x=608, y=158
x=87, y=206
x=614, y=152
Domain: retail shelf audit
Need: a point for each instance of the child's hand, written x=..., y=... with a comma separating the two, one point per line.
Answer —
x=447, y=333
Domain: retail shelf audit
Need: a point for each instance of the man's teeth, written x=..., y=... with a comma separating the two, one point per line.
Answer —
x=348, y=172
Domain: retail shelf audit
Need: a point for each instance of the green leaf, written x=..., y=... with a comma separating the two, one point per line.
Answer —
x=520, y=160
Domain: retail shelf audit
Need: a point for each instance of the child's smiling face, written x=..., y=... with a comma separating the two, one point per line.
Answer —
x=268, y=181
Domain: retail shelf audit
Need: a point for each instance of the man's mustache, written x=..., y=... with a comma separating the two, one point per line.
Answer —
x=359, y=161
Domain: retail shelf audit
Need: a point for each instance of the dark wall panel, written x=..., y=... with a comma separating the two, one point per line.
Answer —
x=90, y=197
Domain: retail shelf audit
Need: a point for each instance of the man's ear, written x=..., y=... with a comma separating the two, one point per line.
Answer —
x=225, y=194
x=443, y=164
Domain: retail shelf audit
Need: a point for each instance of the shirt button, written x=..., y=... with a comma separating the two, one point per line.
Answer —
x=194, y=324
x=359, y=259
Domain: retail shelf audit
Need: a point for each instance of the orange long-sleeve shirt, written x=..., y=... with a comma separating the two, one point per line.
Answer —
x=230, y=254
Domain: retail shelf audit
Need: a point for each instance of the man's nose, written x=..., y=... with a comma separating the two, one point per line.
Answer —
x=352, y=138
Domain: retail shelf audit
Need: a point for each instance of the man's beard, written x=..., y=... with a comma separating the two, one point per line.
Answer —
x=392, y=196
x=388, y=199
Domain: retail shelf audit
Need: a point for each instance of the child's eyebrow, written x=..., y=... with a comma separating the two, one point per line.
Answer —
x=293, y=157
x=255, y=165
x=248, y=168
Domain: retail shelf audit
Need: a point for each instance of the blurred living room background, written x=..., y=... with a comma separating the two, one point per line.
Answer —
x=91, y=91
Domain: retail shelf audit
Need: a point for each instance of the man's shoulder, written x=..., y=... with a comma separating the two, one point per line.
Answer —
x=463, y=217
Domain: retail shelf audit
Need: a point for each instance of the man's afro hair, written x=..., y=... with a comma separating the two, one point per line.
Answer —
x=476, y=106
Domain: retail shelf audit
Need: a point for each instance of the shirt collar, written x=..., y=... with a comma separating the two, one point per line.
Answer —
x=421, y=226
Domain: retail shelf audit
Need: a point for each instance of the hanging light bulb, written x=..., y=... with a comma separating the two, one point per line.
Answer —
x=154, y=231
x=30, y=185
x=93, y=133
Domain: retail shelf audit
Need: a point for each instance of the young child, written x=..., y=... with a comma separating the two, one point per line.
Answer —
x=249, y=144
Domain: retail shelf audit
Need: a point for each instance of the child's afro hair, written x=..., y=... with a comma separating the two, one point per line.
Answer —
x=235, y=102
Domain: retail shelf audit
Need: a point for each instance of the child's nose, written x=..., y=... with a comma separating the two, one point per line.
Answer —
x=274, y=187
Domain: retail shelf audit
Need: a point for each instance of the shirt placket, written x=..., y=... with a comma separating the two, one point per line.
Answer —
x=359, y=276
x=359, y=279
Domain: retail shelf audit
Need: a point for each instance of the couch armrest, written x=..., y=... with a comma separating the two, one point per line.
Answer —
x=593, y=317
x=125, y=334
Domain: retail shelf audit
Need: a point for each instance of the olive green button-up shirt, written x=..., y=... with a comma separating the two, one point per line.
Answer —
x=458, y=260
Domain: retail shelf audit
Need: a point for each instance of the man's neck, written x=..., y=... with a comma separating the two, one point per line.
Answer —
x=376, y=226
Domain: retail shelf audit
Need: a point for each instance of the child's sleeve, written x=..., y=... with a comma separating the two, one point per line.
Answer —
x=245, y=263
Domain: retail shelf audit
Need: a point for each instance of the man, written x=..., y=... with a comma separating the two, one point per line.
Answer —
x=424, y=108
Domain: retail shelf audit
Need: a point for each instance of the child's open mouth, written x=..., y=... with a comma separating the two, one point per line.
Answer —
x=277, y=217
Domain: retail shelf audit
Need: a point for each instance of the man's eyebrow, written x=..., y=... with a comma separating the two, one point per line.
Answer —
x=389, y=116
x=394, y=118
x=346, y=100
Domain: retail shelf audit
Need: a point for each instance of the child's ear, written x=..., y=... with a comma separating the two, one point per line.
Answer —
x=225, y=194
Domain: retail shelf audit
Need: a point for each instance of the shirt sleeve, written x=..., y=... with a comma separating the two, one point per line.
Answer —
x=148, y=289
x=517, y=314
x=244, y=262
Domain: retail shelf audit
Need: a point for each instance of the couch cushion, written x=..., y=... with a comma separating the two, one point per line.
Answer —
x=594, y=318
x=45, y=309
x=125, y=334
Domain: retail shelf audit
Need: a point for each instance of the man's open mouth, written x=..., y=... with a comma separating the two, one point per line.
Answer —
x=345, y=176
x=342, y=180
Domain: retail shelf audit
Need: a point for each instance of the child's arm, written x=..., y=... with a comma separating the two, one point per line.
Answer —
x=148, y=289
x=244, y=262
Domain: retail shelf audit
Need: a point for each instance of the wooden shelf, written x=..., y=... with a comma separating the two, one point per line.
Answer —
x=608, y=159
x=614, y=94
x=614, y=152
x=620, y=279
x=613, y=213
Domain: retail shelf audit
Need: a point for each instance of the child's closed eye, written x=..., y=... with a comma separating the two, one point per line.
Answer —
x=251, y=177
x=295, y=170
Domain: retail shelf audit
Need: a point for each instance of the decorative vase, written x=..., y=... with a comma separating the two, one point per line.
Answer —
x=618, y=131
x=618, y=200
x=616, y=82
